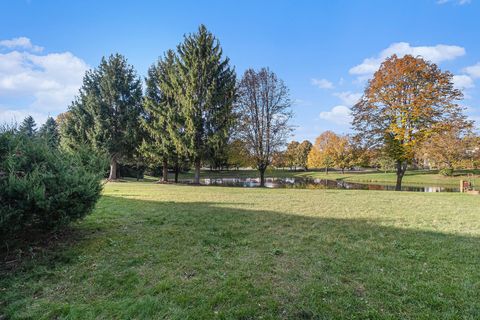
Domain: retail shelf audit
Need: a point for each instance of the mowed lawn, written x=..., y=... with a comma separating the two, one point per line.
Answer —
x=153, y=251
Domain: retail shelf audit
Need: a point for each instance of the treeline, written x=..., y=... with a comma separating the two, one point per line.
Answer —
x=445, y=151
x=191, y=114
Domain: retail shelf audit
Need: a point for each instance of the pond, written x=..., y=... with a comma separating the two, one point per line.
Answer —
x=311, y=183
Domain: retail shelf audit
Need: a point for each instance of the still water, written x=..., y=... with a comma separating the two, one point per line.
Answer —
x=311, y=183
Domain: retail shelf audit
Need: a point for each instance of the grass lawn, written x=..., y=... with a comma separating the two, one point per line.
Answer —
x=411, y=178
x=154, y=251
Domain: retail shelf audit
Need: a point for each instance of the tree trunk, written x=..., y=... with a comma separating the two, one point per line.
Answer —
x=176, y=170
x=401, y=168
x=113, y=169
x=197, y=171
x=262, y=176
x=326, y=170
x=165, y=170
x=343, y=170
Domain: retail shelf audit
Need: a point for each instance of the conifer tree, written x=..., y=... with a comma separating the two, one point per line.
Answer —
x=204, y=88
x=49, y=132
x=106, y=113
x=28, y=126
x=160, y=118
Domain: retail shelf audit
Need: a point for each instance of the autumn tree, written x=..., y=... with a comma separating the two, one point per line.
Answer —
x=341, y=152
x=263, y=109
x=320, y=155
x=279, y=159
x=291, y=155
x=303, y=150
x=408, y=100
x=238, y=155
x=445, y=150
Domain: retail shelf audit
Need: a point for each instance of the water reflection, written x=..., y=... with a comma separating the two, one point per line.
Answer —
x=310, y=183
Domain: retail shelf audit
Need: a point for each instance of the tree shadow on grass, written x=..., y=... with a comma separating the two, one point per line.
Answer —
x=202, y=260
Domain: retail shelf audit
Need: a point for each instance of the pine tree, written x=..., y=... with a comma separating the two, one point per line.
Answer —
x=204, y=88
x=106, y=114
x=49, y=132
x=28, y=127
x=160, y=118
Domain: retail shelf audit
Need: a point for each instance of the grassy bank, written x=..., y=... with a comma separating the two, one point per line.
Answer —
x=184, y=252
x=412, y=177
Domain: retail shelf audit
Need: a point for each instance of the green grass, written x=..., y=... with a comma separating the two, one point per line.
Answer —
x=411, y=178
x=154, y=251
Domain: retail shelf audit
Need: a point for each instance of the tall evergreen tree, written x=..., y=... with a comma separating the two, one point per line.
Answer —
x=160, y=118
x=205, y=91
x=106, y=113
x=49, y=132
x=28, y=126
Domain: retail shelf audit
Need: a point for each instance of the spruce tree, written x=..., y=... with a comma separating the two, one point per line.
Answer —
x=204, y=88
x=106, y=113
x=160, y=118
x=49, y=132
x=28, y=127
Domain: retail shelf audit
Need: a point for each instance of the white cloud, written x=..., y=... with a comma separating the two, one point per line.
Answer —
x=473, y=71
x=348, y=98
x=434, y=54
x=339, y=115
x=460, y=2
x=463, y=82
x=10, y=116
x=301, y=103
x=48, y=82
x=322, y=83
x=20, y=43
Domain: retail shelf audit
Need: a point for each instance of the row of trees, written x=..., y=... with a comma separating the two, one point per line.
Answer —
x=195, y=111
x=192, y=111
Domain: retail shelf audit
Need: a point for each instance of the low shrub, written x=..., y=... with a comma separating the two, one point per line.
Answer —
x=43, y=188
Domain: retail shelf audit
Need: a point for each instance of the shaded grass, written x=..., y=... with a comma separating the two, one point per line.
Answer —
x=411, y=178
x=184, y=252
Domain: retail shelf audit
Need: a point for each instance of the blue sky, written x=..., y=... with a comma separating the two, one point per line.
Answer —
x=324, y=50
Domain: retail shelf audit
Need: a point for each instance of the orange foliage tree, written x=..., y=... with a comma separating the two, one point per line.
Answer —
x=330, y=150
x=408, y=100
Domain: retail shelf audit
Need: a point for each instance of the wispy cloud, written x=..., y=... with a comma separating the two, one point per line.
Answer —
x=322, y=83
x=20, y=43
x=459, y=2
x=340, y=115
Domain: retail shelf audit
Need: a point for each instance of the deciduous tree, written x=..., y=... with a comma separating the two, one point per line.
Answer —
x=263, y=108
x=408, y=100
x=291, y=154
x=303, y=150
x=446, y=150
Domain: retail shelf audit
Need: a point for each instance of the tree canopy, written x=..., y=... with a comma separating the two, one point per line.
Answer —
x=204, y=89
x=408, y=100
x=263, y=109
x=106, y=113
